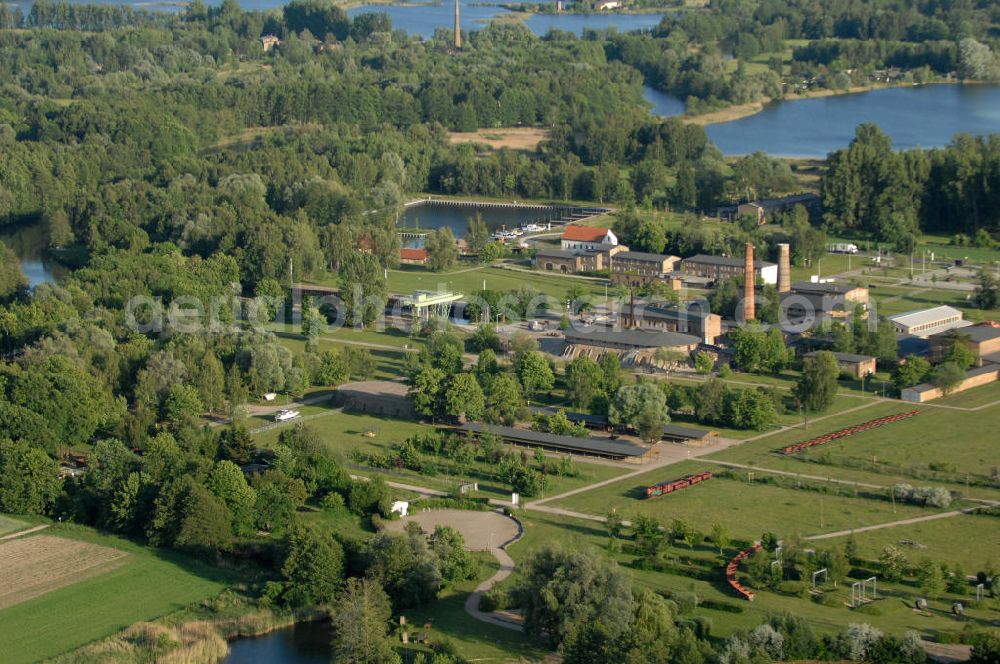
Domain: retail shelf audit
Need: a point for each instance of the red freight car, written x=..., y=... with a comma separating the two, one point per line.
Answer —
x=676, y=485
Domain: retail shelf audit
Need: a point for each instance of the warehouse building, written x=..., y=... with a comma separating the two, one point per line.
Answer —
x=928, y=322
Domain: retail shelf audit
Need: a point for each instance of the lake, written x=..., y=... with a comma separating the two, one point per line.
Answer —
x=30, y=244
x=302, y=643
x=920, y=116
x=433, y=215
x=423, y=18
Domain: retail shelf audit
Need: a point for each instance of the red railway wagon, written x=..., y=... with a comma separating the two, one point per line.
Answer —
x=677, y=485
x=858, y=428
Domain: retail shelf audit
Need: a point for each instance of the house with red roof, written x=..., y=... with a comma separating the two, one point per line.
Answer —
x=412, y=256
x=587, y=238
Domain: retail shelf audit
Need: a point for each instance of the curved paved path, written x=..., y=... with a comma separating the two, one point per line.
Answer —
x=482, y=531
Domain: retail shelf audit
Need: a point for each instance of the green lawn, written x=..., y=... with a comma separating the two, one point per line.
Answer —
x=970, y=540
x=345, y=432
x=746, y=509
x=9, y=525
x=979, y=396
x=477, y=641
x=151, y=583
x=894, y=612
x=468, y=279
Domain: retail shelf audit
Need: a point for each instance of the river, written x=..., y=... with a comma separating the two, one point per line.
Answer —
x=30, y=245
x=914, y=117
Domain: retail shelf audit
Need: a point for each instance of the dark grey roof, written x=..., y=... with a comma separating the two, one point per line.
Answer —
x=637, y=338
x=669, y=430
x=557, y=253
x=668, y=313
x=788, y=200
x=723, y=260
x=642, y=256
x=977, y=333
x=594, y=445
x=843, y=357
x=828, y=287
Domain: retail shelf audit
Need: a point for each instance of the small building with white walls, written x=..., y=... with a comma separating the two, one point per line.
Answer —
x=400, y=506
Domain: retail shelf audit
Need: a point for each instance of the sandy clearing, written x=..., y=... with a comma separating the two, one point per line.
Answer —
x=515, y=138
x=33, y=566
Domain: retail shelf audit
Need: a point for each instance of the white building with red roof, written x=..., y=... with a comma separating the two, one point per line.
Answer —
x=587, y=238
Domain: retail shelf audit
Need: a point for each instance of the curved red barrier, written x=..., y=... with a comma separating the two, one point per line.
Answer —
x=734, y=565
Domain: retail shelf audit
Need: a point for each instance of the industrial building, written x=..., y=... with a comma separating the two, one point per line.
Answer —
x=928, y=322
x=717, y=268
x=635, y=268
x=692, y=318
x=851, y=363
x=982, y=339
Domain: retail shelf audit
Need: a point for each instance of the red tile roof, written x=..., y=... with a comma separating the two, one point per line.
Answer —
x=409, y=254
x=584, y=233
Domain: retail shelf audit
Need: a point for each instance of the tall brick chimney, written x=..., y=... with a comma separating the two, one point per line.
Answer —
x=458, y=28
x=784, y=268
x=749, y=309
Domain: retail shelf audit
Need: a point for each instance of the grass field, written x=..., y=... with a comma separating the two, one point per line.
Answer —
x=345, y=432
x=746, y=509
x=149, y=584
x=477, y=641
x=893, y=610
x=919, y=445
x=969, y=540
x=9, y=525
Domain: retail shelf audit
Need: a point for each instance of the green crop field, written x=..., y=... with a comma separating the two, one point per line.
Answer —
x=746, y=509
x=151, y=583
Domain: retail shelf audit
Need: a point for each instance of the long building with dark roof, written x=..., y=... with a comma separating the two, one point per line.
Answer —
x=600, y=447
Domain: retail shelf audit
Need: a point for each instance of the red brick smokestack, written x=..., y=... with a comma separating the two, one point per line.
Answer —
x=784, y=268
x=749, y=310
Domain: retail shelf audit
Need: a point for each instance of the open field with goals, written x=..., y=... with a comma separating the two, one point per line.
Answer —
x=970, y=540
x=892, y=612
x=147, y=583
x=747, y=509
x=34, y=566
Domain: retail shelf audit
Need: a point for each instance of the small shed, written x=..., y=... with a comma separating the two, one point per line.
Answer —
x=400, y=506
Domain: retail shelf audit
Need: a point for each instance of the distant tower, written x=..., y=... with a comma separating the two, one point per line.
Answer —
x=749, y=309
x=458, y=28
x=559, y=6
x=784, y=268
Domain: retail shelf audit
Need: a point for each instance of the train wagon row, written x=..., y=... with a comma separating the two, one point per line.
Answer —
x=732, y=568
x=850, y=431
x=676, y=485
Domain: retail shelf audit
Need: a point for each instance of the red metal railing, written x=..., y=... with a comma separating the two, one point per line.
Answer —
x=677, y=485
x=872, y=424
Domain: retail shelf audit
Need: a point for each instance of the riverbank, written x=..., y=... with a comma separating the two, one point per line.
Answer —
x=740, y=111
x=192, y=635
